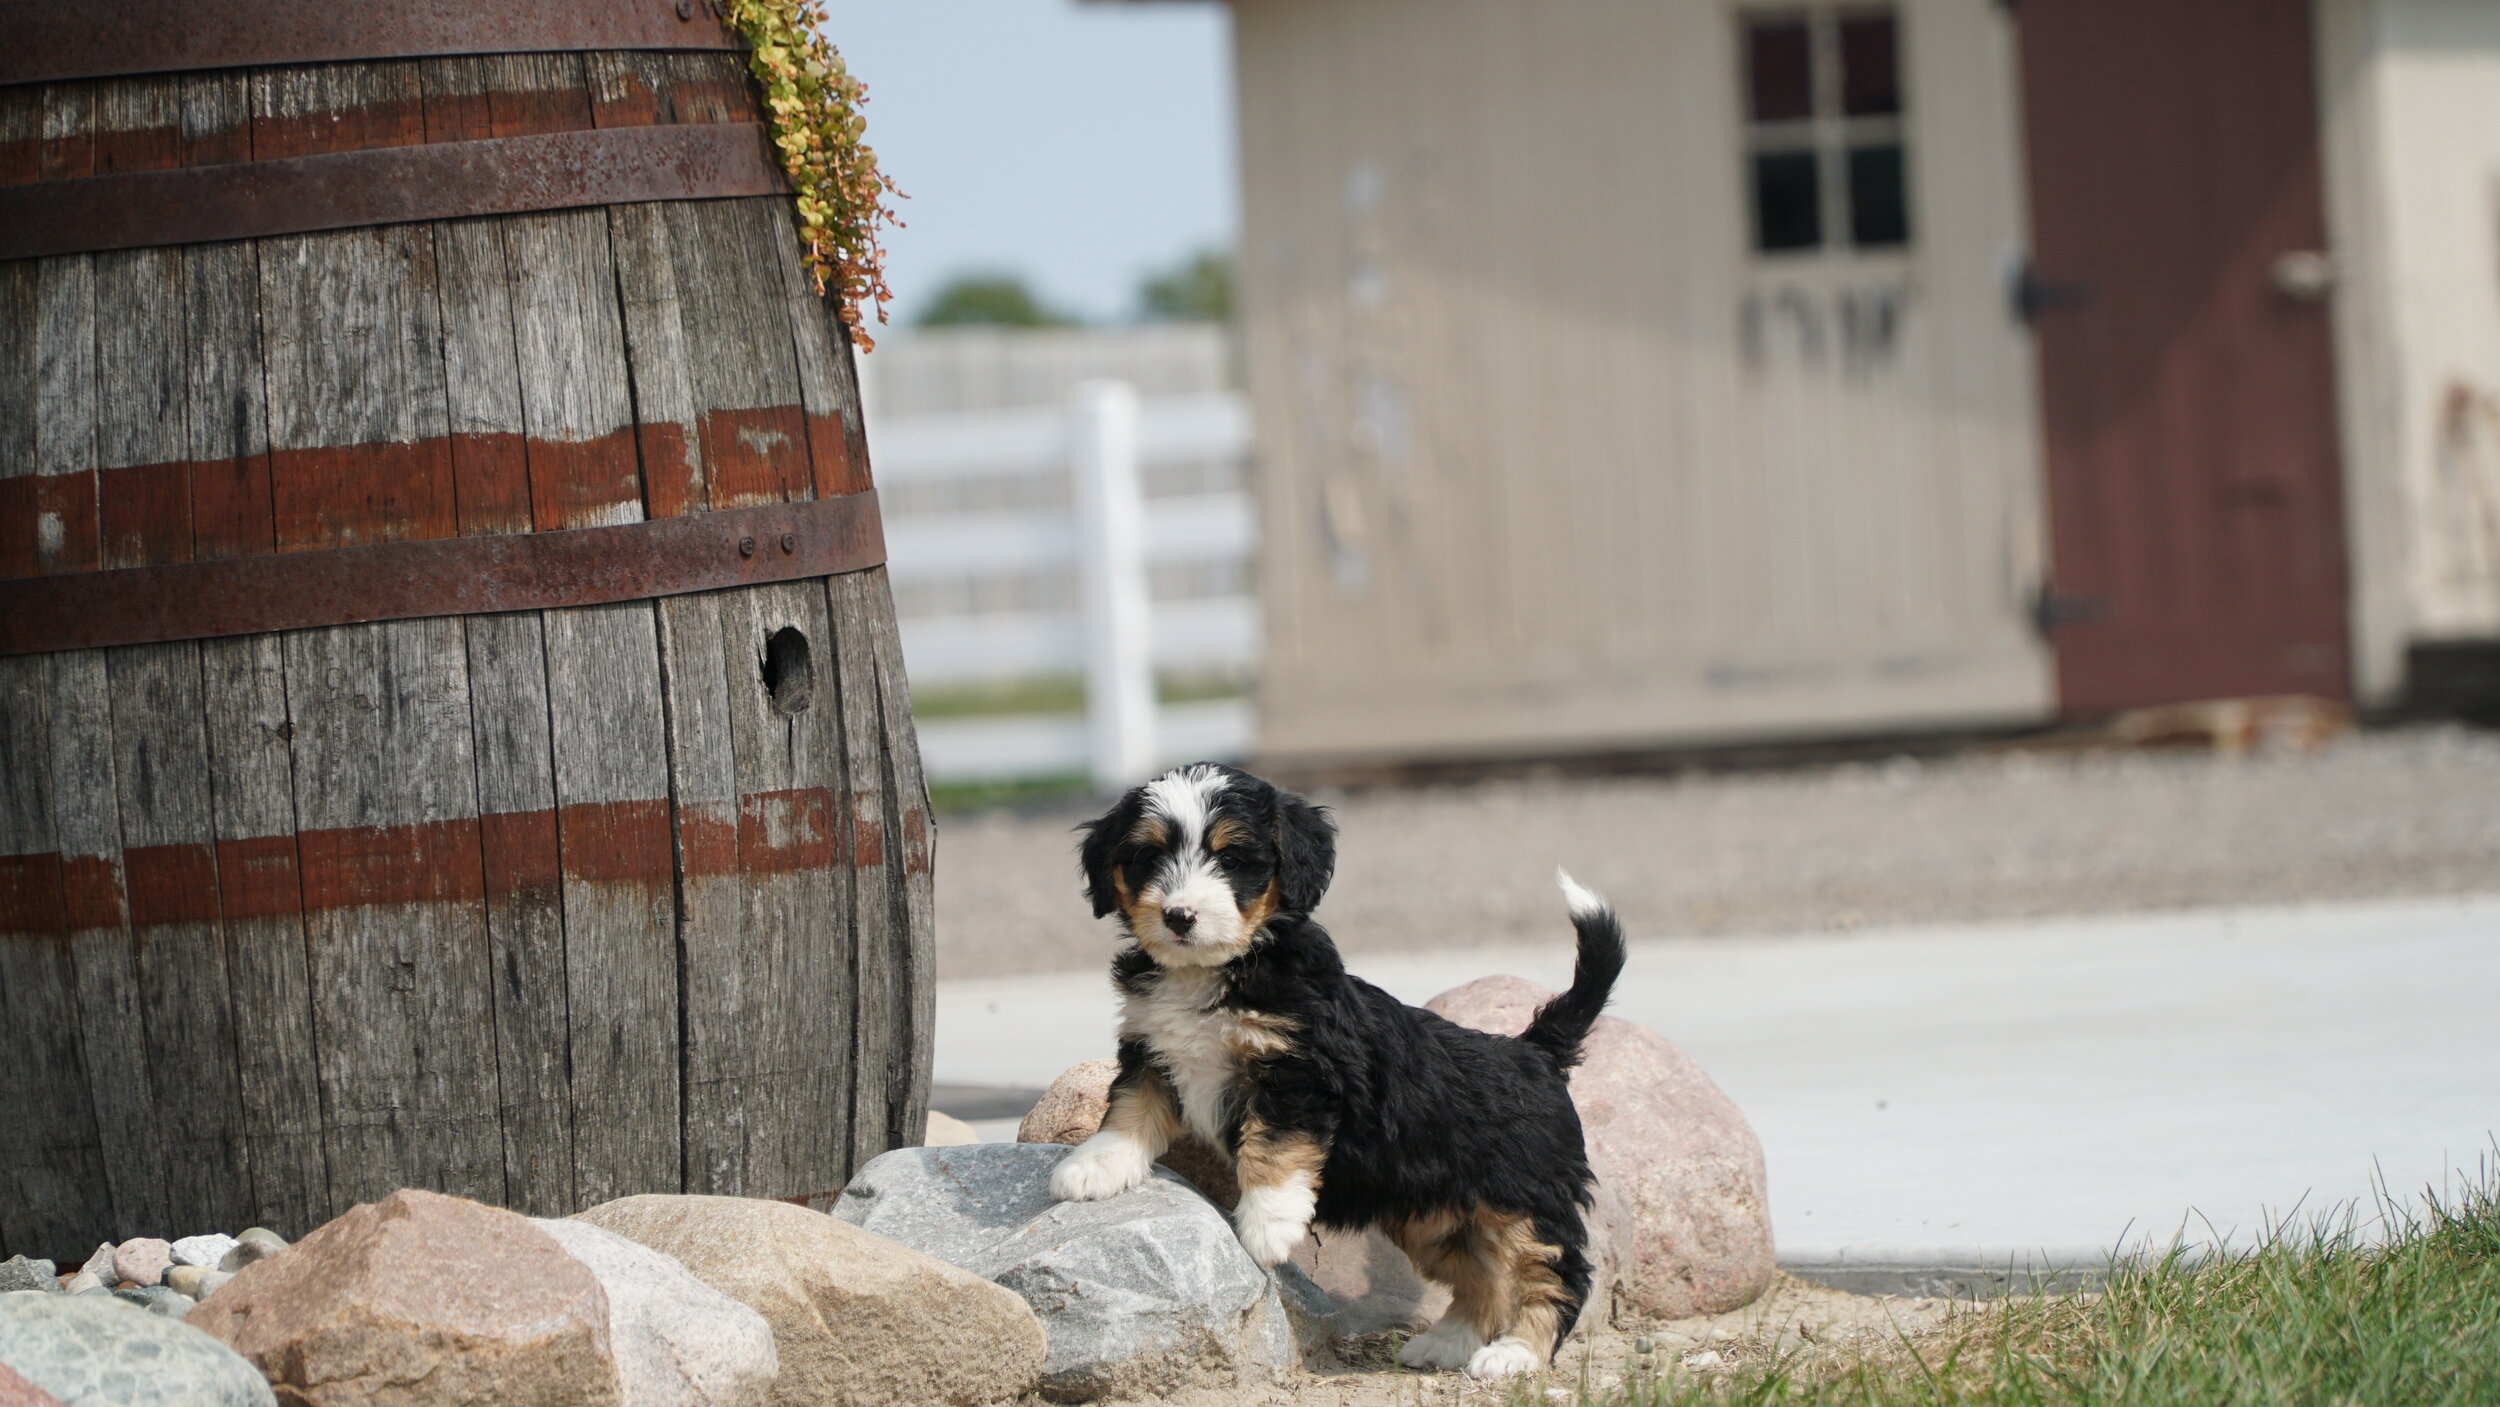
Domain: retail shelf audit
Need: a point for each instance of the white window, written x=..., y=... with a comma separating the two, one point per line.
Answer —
x=1826, y=147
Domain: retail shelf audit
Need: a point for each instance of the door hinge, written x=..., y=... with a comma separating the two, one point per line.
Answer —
x=2051, y=610
x=2032, y=295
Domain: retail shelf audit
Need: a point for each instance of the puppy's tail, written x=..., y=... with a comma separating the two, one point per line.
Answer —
x=1563, y=1023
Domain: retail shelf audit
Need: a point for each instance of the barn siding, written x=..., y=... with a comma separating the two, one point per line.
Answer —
x=1525, y=486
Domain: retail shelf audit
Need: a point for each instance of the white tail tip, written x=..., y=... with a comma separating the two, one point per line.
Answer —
x=1582, y=902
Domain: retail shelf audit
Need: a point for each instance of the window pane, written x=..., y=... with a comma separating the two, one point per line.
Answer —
x=1870, y=73
x=1879, y=198
x=1787, y=201
x=1779, y=70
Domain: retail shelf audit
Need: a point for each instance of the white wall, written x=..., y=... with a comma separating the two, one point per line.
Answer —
x=2412, y=102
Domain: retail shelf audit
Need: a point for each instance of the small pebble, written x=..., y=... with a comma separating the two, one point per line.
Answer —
x=84, y=1282
x=1644, y=1344
x=203, y=1251
x=142, y=1261
x=1707, y=1358
x=252, y=1247
x=100, y=1264
x=19, y=1273
x=173, y=1306
x=185, y=1279
x=150, y=1296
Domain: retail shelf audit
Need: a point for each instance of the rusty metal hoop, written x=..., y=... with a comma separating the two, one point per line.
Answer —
x=50, y=41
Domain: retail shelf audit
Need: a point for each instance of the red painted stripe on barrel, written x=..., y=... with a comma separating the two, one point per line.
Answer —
x=232, y=513
x=490, y=474
x=618, y=842
x=256, y=877
x=171, y=883
x=783, y=831
x=30, y=895
x=521, y=852
x=432, y=862
x=584, y=483
x=829, y=448
x=606, y=842
x=347, y=494
x=48, y=524
x=145, y=514
x=753, y=457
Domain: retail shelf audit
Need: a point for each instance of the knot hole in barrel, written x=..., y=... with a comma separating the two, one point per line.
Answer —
x=789, y=673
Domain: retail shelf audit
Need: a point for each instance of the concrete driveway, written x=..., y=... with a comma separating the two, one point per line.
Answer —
x=1940, y=1102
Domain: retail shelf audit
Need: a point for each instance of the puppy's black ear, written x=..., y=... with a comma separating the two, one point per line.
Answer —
x=1102, y=836
x=1306, y=852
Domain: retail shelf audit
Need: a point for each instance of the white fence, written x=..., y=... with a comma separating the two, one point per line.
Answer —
x=1108, y=537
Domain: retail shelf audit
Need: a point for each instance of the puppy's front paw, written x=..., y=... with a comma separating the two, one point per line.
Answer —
x=1502, y=1358
x=1272, y=1218
x=1268, y=1239
x=1445, y=1345
x=1107, y=1165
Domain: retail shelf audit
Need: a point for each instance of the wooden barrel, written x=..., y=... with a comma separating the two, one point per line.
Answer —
x=452, y=733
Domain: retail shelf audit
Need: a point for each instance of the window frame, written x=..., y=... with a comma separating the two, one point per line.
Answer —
x=1827, y=132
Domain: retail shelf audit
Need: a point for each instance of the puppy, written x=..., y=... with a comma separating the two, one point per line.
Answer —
x=1338, y=1105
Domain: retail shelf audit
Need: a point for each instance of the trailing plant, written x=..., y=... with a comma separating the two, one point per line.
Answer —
x=814, y=104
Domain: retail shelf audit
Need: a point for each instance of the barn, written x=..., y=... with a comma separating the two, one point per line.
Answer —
x=1639, y=373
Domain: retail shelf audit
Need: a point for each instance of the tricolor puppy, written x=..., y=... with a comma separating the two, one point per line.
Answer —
x=1338, y=1104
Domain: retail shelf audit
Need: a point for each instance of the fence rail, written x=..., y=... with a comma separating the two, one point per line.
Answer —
x=1104, y=541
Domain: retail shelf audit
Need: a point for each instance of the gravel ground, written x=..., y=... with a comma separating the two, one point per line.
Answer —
x=1985, y=835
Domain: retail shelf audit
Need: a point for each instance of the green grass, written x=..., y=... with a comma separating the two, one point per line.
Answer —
x=2314, y=1314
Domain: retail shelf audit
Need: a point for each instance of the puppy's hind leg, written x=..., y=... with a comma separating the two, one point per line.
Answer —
x=1441, y=1247
x=1139, y=1123
x=1533, y=1299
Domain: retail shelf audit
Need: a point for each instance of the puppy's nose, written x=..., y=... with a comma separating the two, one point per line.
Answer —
x=1180, y=920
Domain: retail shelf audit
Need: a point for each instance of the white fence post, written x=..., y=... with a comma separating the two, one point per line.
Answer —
x=1111, y=570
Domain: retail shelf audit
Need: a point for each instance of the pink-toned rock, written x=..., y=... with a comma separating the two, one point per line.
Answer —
x=1071, y=1111
x=142, y=1260
x=421, y=1298
x=17, y=1392
x=1662, y=1135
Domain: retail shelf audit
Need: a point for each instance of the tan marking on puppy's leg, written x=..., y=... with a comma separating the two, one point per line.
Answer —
x=1439, y=1243
x=1145, y=1111
x=1279, y=1175
x=1523, y=1290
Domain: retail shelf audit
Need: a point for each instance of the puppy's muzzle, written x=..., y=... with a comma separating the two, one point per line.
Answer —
x=1180, y=919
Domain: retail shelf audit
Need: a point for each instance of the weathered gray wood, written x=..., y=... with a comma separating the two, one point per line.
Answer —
x=723, y=978
x=111, y=1018
x=579, y=411
x=393, y=872
x=385, y=784
x=879, y=1039
x=745, y=385
x=792, y=839
x=267, y=965
x=620, y=901
x=525, y=910
x=161, y=773
x=482, y=378
x=52, y=1189
x=662, y=375
x=912, y=867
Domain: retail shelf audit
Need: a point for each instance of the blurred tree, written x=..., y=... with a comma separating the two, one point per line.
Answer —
x=1197, y=289
x=991, y=300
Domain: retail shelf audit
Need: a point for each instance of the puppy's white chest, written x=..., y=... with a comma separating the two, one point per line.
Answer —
x=1200, y=1048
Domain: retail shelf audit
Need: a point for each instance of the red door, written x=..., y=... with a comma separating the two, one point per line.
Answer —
x=2187, y=373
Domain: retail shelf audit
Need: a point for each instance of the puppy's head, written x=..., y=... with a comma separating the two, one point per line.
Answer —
x=1199, y=860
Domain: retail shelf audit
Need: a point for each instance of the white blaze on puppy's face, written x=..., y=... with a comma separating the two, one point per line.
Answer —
x=1186, y=914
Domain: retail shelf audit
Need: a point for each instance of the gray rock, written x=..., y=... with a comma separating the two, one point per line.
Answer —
x=677, y=1341
x=1138, y=1293
x=89, y=1351
x=82, y=1282
x=160, y=1299
x=19, y=1273
x=100, y=1264
x=210, y=1283
x=250, y=1248
x=203, y=1251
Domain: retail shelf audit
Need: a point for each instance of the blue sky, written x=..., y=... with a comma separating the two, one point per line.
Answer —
x=1079, y=145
